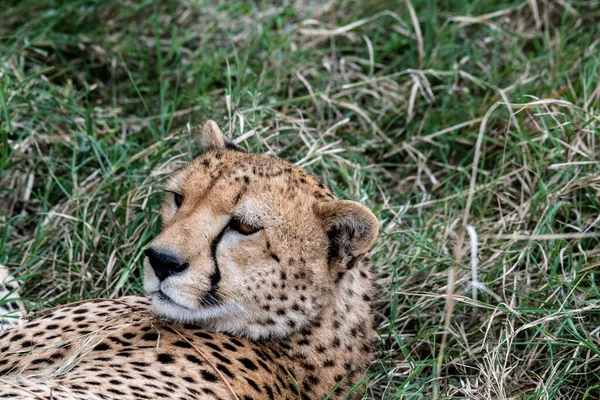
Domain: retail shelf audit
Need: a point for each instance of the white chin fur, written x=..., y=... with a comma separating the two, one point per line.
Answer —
x=173, y=311
x=151, y=284
x=223, y=318
x=230, y=318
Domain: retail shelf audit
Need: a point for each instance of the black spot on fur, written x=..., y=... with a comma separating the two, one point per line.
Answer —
x=203, y=335
x=209, y=376
x=263, y=366
x=229, y=347
x=194, y=359
x=224, y=370
x=16, y=337
x=165, y=358
x=308, y=366
x=221, y=358
x=248, y=364
x=102, y=347
x=151, y=336
x=213, y=346
x=182, y=344
x=253, y=384
x=269, y=392
x=140, y=364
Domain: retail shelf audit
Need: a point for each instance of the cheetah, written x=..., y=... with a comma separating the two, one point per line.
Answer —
x=257, y=287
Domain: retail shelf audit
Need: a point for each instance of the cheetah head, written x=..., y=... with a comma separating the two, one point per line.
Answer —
x=251, y=245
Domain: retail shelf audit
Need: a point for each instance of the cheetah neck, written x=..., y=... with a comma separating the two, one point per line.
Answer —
x=337, y=347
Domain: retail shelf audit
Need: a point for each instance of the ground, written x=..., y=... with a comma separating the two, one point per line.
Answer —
x=437, y=115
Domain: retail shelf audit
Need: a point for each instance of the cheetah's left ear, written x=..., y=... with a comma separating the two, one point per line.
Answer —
x=212, y=138
x=351, y=231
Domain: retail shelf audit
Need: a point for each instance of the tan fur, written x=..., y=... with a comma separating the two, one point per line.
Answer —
x=281, y=313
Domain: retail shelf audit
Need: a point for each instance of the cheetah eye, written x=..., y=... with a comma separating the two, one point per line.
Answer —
x=241, y=227
x=178, y=197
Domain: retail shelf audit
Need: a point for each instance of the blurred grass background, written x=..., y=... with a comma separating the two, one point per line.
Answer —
x=437, y=114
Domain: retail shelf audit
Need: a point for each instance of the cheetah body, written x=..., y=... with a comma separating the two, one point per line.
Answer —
x=268, y=297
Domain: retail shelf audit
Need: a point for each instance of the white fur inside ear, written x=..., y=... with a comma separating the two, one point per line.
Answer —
x=212, y=137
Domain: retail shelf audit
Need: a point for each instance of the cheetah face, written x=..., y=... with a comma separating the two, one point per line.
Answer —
x=251, y=245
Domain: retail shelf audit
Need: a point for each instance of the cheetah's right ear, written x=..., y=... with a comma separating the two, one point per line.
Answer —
x=351, y=231
x=212, y=138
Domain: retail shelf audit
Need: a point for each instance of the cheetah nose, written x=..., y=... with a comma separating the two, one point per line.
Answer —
x=164, y=264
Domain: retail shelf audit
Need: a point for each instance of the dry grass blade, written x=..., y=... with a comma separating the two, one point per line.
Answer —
x=418, y=34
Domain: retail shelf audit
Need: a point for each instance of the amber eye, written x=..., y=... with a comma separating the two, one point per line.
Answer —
x=241, y=227
x=178, y=197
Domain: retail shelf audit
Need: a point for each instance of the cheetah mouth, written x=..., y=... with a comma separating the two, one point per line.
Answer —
x=171, y=309
x=166, y=299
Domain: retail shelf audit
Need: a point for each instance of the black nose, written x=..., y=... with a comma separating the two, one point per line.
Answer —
x=164, y=264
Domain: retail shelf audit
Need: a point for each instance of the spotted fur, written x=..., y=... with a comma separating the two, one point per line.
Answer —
x=258, y=287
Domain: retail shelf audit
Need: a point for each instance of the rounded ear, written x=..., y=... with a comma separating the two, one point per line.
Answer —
x=212, y=138
x=351, y=231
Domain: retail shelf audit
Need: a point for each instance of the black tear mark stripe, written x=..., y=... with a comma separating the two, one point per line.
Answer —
x=215, y=277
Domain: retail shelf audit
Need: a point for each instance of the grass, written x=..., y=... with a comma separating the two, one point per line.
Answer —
x=438, y=115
